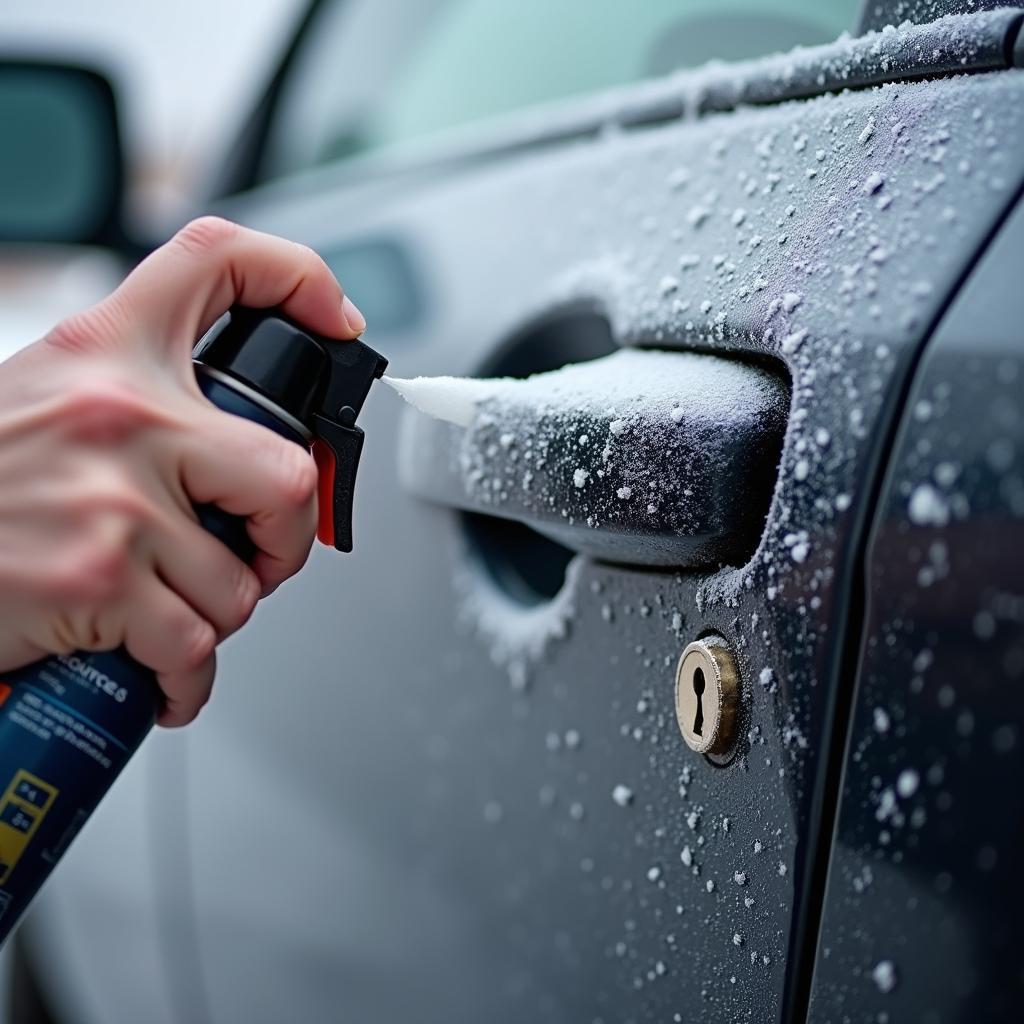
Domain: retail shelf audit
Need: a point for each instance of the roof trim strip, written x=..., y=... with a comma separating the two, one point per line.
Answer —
x=954, y=44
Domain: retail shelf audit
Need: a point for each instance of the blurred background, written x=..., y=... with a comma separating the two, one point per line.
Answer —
x=187, y=71
x=186, y=74
x=371, y=76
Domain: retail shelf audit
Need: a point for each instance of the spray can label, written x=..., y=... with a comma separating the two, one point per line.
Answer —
x=68, y=725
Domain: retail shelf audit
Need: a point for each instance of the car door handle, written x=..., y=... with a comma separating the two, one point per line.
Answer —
x=643, y=457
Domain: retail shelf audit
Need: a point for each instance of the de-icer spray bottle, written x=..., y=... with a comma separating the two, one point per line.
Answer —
x=69, y=723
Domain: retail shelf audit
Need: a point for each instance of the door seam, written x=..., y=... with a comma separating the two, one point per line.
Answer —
x=853, y=639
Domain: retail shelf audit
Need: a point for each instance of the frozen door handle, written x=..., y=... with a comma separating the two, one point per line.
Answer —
x=641, y=457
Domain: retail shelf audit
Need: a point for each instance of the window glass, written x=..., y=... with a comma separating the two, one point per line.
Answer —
x=373, y=73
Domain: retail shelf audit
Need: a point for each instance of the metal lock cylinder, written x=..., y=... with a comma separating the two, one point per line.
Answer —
x=708, y=695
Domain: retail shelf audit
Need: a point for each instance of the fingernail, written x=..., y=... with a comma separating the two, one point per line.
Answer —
x=356, y=320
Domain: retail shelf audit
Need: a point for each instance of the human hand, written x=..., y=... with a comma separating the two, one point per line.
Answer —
x=106, y=443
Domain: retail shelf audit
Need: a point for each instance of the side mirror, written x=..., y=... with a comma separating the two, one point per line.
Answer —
x=62, y=174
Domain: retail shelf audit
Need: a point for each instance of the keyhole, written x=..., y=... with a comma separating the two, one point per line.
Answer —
x=698, y=689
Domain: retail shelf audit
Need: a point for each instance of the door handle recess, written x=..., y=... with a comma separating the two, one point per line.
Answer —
x=641, y=457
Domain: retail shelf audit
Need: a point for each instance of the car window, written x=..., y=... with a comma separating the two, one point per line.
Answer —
x=372, y=73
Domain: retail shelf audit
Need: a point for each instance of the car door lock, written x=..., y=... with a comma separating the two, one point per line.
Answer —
x=708, y=695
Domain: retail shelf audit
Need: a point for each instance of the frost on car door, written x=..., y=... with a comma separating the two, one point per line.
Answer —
x=436, y=781
x=927, y=852
x=499, y=817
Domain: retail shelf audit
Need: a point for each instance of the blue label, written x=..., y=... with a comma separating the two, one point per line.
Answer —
x=68, y=725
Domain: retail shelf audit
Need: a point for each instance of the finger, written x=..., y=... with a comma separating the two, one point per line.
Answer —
x=185, y=693
x=164, y=632
x=16, y=651
x=211, y=264
x=206, y=575
x=254, y=473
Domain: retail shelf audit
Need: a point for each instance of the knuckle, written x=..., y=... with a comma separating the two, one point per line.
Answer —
x=58, y=639
x=96, y=574
x=101, y=410
x=245, y=588
x=298, y=478
x=73, y=333
x=205, y=234
x=198, y=643
x=71, y=581
x=90, y=329
x=313, y=262
x=240, y=591
x=306, y=252
x=177, y=713
x=106, y=568
x=185, y=714
x=111, y=514
x=201, y=700
x=88, y=631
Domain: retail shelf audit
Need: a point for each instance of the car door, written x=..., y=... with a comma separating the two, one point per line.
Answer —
x=443, y=777
x=929, y=822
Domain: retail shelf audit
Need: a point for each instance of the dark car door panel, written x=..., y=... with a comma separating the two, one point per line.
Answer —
x=927, y=848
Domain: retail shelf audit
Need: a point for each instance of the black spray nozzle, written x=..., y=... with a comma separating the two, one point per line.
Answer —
x=318, y=383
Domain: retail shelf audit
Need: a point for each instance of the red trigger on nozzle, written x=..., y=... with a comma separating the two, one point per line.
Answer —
x=327, y=466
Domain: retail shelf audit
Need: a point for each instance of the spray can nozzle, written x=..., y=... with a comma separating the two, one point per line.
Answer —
x=314, y=384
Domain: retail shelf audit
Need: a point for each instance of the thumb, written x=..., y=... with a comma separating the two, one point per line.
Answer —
x=177, y=292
